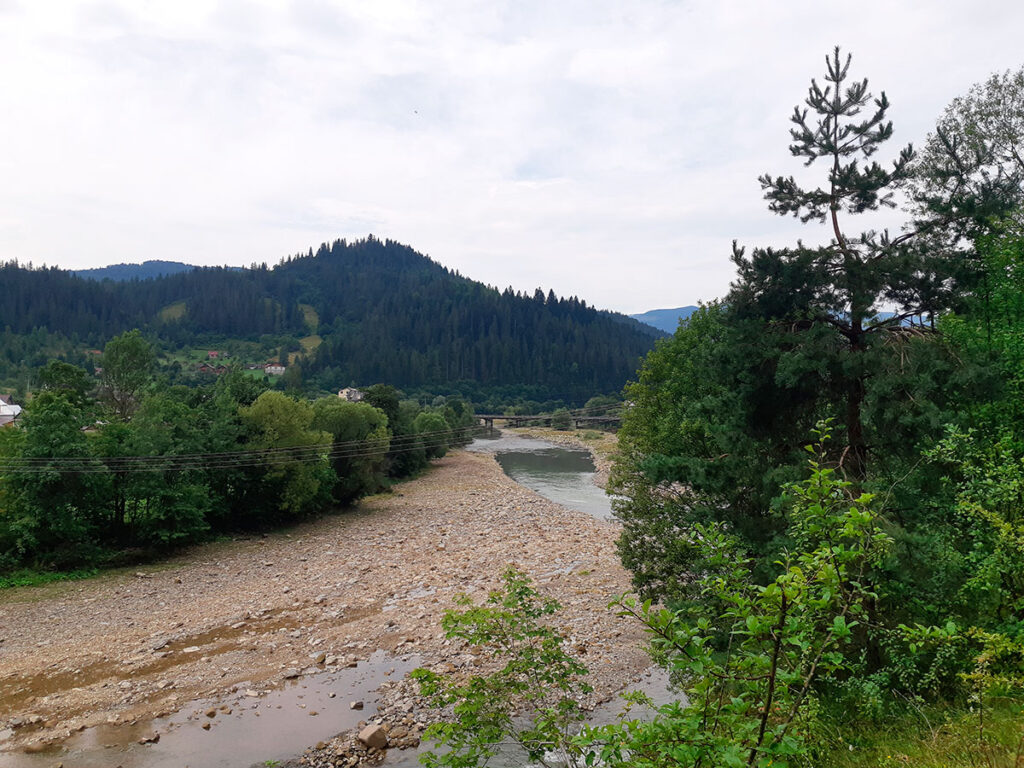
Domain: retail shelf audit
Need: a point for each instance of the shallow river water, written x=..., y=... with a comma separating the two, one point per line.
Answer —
x=564, y=475
x=246, y=729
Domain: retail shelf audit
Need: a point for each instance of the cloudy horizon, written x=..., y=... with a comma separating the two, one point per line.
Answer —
x=604, y=150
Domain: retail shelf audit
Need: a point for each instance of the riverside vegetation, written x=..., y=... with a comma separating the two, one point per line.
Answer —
x=145, y=467
x=860, y=605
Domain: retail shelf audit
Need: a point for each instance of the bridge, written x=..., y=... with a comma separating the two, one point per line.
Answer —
x=544, y=420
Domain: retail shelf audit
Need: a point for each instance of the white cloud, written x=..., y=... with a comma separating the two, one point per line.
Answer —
x=608, y=150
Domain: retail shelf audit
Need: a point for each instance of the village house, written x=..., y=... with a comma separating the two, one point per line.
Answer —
x=274, y=369
x=9, y=410
x=351, y=394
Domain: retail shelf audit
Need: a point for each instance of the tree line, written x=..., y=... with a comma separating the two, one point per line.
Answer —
x=133, y=466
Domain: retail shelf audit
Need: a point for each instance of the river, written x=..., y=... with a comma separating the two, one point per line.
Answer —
x=564, y=475
x=277, y=724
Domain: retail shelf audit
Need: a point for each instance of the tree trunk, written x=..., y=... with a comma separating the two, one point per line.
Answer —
x=855, y=460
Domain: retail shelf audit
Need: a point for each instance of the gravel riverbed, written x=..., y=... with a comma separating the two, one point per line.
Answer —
x=246, y=615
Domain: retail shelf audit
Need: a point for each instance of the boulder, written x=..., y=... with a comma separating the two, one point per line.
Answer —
x=374, y=736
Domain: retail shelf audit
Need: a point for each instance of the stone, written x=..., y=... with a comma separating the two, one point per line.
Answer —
x=356, y=705
x=206, y=726
x=211, y=712
x=292, y=672
x=374, y=737
x=152, y=738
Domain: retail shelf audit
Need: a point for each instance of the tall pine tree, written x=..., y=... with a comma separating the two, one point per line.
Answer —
x=827, y=299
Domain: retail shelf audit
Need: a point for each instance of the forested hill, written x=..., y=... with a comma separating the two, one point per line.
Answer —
x=380, y=311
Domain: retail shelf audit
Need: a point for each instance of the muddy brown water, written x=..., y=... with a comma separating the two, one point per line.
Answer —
x=245, y=730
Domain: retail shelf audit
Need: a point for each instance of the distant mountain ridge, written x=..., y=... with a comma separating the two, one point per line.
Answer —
x=144, y=271
x=666, y=320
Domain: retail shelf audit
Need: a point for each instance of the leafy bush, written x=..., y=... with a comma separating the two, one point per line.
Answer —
x=561, y=419
x=539, y=681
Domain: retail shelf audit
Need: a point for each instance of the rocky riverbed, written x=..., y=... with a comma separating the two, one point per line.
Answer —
x=240, y=618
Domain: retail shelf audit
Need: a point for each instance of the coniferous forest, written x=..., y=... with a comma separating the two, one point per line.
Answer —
x=378, y=311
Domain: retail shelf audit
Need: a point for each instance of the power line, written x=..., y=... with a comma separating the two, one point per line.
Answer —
x=352, y=449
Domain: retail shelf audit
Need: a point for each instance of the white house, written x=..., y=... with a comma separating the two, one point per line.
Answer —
x=9, y=410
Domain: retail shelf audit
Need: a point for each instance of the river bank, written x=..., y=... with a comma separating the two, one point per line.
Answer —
x=247, y=615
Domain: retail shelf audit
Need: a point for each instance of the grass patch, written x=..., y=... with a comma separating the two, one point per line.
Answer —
x=310, y=343
x=173, y=312
x=932, y=738
x=310, y=317
x=29, y=578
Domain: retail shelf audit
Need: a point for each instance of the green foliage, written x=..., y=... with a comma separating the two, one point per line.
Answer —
x=74, y=382
x=29, y=578
x=750, y=658
x=825, y=301
x=972, y=166
x=404, y=319
x=539, y=681
x=358, y=471
x=48, y=513
x=990, y=333
x=293, y=484
x=561, y=420
x=704, y=442
x=127, y=368
x=191, y=463
x=924, y=736
x=988, y=480
x=434, y=432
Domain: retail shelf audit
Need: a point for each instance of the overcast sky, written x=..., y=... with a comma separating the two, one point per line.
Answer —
x=608, y=150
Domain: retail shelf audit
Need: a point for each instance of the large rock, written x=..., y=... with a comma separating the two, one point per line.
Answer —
x=374, y=736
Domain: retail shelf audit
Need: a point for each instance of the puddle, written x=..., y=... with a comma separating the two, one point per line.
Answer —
x=162, y=654
x=244, y=731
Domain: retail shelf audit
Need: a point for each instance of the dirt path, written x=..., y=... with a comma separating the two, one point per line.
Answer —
x=130, y=646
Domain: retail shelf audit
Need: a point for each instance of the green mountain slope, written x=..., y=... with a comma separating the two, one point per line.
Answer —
x=383, y=313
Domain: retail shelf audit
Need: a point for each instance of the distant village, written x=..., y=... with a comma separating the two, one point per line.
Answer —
x=218, y=368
